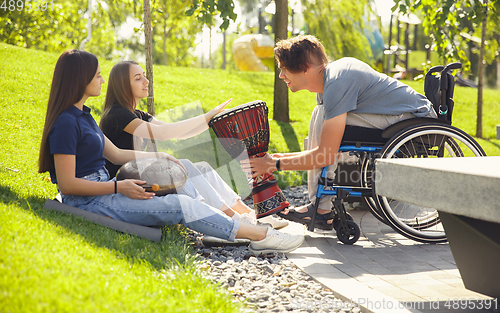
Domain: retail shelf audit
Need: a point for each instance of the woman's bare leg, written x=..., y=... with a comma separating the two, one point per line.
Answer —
x=240, y=207
x=255, y=233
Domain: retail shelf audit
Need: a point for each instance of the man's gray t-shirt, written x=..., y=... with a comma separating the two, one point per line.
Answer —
x=353, y=86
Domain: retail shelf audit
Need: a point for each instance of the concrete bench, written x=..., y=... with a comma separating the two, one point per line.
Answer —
x=466, y=193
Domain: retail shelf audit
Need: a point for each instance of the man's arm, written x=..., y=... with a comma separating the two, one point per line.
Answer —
x=323, y=155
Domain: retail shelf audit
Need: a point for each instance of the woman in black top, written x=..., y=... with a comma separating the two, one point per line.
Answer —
x=124, y=125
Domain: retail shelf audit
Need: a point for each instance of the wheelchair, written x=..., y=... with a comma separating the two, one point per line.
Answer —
x=413, y=138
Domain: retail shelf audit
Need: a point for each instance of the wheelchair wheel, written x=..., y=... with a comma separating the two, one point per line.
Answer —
x=423, y=141
x=351, y=237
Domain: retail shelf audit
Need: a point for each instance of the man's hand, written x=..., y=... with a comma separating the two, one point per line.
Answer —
x=259, y=166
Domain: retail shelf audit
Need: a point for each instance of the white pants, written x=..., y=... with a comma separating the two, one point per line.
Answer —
x=364, y=120
x=210, y=185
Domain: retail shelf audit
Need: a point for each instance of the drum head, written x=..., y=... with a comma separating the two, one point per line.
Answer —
x=236, y=109
x=162, y=176
x=244, y=127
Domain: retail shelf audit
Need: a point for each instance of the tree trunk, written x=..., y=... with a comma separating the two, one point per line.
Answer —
x=280, y=112
x=149, y=56
x=479, y=124
x=388, y=68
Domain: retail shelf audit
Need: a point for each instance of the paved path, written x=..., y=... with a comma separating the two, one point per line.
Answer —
x=384, y=271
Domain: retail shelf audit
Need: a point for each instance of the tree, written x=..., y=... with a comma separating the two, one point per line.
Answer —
x=149, y=56
x=479, y=123
x=58, y=27
x=280, y=109
x=340, y=26
x=175, y=31
x=451, y=24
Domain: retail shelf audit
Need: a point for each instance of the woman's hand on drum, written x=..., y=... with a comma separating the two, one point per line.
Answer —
x=132, y=189
x=173, y=159
x=210, y=114
x=259, y=166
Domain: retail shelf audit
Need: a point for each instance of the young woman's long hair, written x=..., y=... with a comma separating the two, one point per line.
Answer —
x=119, y=89
x=74, y=70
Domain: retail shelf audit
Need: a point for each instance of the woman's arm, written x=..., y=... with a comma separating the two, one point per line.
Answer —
x=69, y=184
x=178, y=130
x=190, y=133
x=164, y=131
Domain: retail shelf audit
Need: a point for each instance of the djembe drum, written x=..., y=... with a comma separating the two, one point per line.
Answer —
x=246, y=127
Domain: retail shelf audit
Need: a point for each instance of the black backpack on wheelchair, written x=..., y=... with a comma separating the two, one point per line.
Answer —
x=439, y=86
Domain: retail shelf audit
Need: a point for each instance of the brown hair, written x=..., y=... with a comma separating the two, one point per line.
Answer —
x=119, y=89
x=298, y=53
x=74, y=70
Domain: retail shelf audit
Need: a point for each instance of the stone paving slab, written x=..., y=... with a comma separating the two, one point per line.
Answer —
x=384, y=271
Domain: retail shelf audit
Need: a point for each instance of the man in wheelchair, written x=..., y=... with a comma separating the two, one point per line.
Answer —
x=349, y=92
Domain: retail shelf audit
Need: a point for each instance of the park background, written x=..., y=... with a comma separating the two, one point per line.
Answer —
x=53, y=262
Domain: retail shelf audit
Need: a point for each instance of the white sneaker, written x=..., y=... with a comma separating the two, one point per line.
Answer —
x=276, y=241
x=248, y=219
x=275, y=222
x=245, y=218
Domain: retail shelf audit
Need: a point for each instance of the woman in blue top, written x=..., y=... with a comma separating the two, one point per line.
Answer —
x=73, y=150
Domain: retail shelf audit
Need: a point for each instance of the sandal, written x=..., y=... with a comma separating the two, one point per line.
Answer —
x=320, y=222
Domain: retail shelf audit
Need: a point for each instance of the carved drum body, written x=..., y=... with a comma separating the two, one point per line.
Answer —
x=246, y=127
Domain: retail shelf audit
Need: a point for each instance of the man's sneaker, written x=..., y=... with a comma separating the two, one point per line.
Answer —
x=275, y=222
x=276, y=241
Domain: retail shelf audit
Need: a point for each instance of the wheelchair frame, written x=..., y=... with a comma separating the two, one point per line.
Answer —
x=427, y=137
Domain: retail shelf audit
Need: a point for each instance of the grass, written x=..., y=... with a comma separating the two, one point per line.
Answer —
x=54, y=262
x=47, y=266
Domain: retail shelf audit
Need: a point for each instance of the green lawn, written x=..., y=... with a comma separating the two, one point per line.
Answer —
x=53, y=262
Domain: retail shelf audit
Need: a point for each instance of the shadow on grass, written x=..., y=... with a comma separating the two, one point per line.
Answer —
x=173, y=250
x=492, y=142
x=291, y=140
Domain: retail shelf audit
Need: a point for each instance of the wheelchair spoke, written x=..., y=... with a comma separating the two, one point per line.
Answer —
x=428, y=140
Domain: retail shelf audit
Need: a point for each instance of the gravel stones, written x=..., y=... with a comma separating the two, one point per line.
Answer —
x=271, y=282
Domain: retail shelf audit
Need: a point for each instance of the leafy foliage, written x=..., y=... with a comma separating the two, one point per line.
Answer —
x=174, y=32
x=451, y=24
x=208, y=8
x=58, y=27
x=339, y=25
